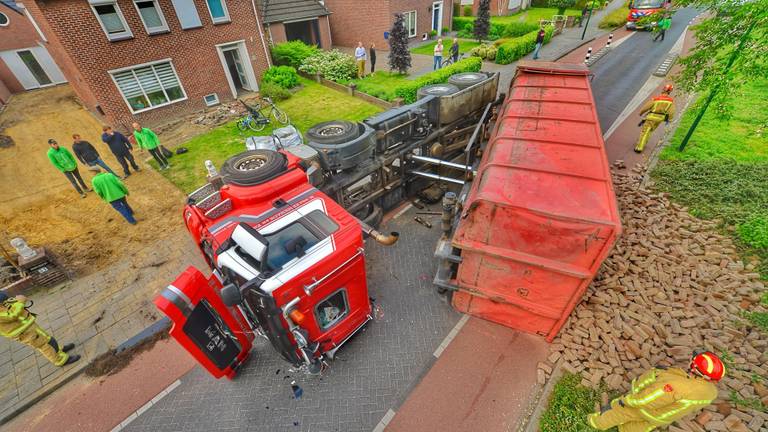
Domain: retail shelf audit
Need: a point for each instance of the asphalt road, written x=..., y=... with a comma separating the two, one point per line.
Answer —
x=621, y=73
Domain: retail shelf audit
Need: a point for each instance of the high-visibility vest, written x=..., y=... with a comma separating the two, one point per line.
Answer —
x=14, y=318
x=663, y=396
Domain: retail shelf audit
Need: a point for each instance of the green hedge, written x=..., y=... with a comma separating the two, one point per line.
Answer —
x=465, y=25
x=408, y=90
x=284, y=76
x=292, y=53
x=518, y=47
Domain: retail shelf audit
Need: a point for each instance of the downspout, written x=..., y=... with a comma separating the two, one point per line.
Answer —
x=261, y=34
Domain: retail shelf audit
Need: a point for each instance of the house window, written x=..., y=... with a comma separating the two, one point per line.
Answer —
x=218, y=10
x=111, y=19
x=151, y=15
x=3, y=19
x=149, y=86
x=410, y=23
x=331, y=310
x=187, y=14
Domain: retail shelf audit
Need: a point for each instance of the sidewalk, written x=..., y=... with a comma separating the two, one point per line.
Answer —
x=98, y=312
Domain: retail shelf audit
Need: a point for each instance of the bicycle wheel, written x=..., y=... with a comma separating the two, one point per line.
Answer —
x=242, y=124
x=280, y=115
x=446, y=63
x=258, y=123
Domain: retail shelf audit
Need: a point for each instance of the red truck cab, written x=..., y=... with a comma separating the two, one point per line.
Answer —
x=639, y=9
x=287, y=263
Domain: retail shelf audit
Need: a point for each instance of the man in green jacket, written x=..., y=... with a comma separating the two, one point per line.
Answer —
x=112, y=190
x=147, y=139
x=664, y=24
x=63, y=160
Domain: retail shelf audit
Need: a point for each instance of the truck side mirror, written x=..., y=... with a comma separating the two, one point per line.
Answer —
x=231, y=296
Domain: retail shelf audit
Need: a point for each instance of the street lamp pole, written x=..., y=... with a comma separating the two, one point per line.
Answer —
x=591, y=8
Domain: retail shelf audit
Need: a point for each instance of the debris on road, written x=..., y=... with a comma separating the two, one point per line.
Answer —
x=422, y=221
x=671, y=285
x=619, y=163
x=297, y=390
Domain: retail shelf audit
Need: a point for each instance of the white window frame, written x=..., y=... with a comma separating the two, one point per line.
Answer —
x=224, y=20
x=415, y=23
x=170, y=102
x=164, y=28
x=7, y=19
x=127, y=34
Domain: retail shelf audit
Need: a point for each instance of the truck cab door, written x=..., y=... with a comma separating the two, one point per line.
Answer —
x=217, y=336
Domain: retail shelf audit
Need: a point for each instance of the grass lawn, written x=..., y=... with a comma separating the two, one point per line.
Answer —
x=381, y=84
x=428, y=49
x=616, y=18
x=312, y=104
x=569, y=405
x=722, y=174
x=533, y=15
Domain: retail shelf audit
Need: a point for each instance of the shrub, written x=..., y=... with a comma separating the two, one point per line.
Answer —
x=432, y=33
x=292, y=53
x=456, y=9
x=616, y=18
x=445, y=30
x=459, y=23
x=754, y=232
x=274, y=91
x=284, y=76
x=465, y=28
x=517, y=29
x=408, y=90
x=483, y=21
x=561, y=5
x=399, y=54
x=516, y=48
x=333, y=65
x=485, y=52
x=468, y=10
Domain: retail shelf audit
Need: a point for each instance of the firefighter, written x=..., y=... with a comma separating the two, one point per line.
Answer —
x=659, y=109
x=661, y=396
x=18, y=323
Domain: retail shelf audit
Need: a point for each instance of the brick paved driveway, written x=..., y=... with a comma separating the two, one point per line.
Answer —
x=372, y=373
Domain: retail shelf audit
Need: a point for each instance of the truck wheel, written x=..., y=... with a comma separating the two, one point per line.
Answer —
x=253, y=167
x=437, y=90
x=466, y=79
x=333, y=132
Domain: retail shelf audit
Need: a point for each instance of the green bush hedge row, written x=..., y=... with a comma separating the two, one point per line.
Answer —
x=284, y=76
x=292, y=53
x=517, y=48
x=464, y=26
x=408, y=90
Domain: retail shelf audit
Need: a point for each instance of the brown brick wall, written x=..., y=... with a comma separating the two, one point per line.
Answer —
x=192, y=52
x=19, y=33
x=277, y=33
x=325, y=32
x=5, y=94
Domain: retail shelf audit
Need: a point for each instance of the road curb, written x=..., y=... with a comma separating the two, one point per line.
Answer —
x=586, y=41
x=537, y=404
x=39, y=395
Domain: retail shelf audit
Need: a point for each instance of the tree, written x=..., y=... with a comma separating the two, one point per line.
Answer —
x=561, y=5
x=483, y=21
x=399, y=54
x=731, y=48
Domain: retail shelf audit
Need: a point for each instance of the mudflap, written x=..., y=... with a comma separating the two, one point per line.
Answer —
x=217, y=336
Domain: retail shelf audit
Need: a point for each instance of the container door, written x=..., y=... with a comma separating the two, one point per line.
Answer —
x=216, y=335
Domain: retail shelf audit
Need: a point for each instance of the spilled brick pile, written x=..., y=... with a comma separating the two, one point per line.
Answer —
x=672, y=284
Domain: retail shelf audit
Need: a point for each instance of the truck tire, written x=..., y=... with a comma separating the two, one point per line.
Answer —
x=333, y=132
x=467, y=79
x=253, y=167
x=437, y=90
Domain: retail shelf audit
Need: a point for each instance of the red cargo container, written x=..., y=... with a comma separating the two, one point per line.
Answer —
x=541, y=214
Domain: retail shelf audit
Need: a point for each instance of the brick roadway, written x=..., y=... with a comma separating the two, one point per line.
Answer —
x=121, y=296
x=373, y=373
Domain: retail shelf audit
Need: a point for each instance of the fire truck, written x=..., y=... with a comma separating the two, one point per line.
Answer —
x=282, y=229
x=639, y=9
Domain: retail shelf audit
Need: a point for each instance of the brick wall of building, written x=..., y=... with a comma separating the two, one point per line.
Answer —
x=5, y=93
x=276, y=32
x=423, y=13
x=192, y=52
x=18, y=34
x=325, y=32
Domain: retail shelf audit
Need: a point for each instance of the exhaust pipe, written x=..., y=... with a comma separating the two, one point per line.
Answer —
x=384, y=239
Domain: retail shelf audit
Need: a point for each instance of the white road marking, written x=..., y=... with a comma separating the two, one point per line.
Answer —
x=451, y=336
x=401, y=212
x=146, y=406
x=645, y=91
x=384, y=421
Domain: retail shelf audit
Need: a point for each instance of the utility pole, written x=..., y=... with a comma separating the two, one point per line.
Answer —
x=716, y=89
x=591, y=8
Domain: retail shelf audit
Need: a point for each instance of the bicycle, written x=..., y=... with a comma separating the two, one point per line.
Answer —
x=256, y=121
x=449, y=60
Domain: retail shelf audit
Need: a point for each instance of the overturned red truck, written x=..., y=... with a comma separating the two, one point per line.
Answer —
x=525, y=227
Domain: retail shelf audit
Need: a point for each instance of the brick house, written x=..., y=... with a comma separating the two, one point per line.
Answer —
x=25, y=63
x=499, y=7
x=352, y=22
x=304, y=20
x=153, y=60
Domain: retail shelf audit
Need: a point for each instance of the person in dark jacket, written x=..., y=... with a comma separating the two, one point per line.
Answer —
x=121, y=147
x=539, y=42
x=454, y=51
x=87, y=154
x=372, y=56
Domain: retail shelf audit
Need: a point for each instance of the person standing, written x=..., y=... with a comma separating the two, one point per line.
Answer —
x=113, y=191
x=121, y=148
x=664, y=24
x=454, y=51
x=372, y=56
x=360, y=59
x=438, y=55
x=18, y=323
x=87, y=154
x=539, y=42
x=659, y=109
x=63, y=161
x=663, y=395
x=147, y=139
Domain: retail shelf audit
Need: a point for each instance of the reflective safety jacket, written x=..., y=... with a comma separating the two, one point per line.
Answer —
x=663, y=396
x=660, y=108
x=14, y=318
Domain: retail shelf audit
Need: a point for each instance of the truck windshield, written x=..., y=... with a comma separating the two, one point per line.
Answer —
x=648, y=4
